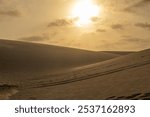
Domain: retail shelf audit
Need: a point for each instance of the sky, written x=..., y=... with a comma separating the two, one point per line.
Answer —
x=99, y=25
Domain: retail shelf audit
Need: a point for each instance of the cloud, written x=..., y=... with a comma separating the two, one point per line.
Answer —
x=100, y=30
x=117, y=27
x=143, y=25
x=35, y=38
x=95, y=19
x=139, y=4
x=12, y=13
x=126, y=36
x=136, y=40
x=61, y=22
x=9, y=8
x=132, y=43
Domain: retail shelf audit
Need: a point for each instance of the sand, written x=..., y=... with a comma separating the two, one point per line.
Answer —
x=38, y=71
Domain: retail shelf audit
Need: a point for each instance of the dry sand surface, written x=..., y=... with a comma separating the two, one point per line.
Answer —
x=36, y=71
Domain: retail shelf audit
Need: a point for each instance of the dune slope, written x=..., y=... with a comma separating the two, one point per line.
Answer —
x=125, y=77
x=22, y=61
x=31, y=57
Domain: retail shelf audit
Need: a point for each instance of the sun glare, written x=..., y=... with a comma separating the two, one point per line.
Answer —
x=83, y=11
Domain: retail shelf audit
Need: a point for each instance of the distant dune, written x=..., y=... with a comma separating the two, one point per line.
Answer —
x=120, y=52
x=31, y=57
x=37, y=71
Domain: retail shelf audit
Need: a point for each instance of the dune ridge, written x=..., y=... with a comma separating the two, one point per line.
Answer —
x=29, y=56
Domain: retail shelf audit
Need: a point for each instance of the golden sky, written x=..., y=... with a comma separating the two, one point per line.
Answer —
x=87, y=24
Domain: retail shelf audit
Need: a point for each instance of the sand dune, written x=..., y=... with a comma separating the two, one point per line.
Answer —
x=21, y=56
x=125, y=77
x=28, y=71
x=27, y=60
x=21, y=61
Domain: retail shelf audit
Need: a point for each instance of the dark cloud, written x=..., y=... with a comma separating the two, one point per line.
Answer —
x=129, y=9
x=139, y=4
x=135, y=40
x=35, y=38
x=126, y=36
x=95, y=19
x=117, y=27
x=133, y=43
x=143, y=25
x=12, y=13
x=61, y=22
x=100, y=30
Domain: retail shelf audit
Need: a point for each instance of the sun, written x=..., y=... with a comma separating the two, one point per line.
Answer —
x=83, y=11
